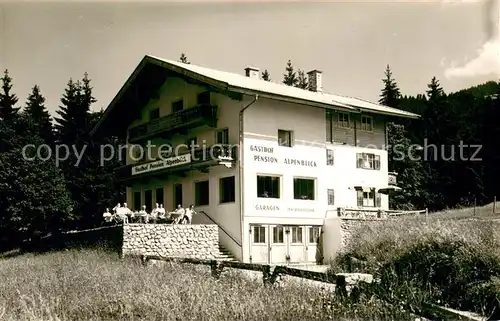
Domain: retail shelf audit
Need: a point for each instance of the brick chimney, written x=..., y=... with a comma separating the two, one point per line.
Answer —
x=252, y=72
x=315, y=81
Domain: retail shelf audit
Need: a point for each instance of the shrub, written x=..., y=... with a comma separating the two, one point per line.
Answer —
x=447, y=262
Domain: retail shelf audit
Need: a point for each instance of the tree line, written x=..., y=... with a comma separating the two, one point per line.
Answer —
x=38, y=197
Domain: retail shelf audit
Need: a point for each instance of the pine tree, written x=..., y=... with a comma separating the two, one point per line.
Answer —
x=72, y=122
x=39, y=117
x=302, y=80
x=184, y=59
x=8, y=111
x=266, y=76
x=290, y=77
x=390, y=93
x=435, y=90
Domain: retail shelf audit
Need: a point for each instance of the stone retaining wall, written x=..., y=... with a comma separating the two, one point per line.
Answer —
x=171, y=240
x=350, y=225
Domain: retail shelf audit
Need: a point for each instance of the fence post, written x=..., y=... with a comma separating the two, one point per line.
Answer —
x=494, y=204
x=426, y=213
x=474, y=206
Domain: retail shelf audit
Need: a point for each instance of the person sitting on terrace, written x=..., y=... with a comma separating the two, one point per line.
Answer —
x=188, y=215
x=108, y=217
x=154, y=214
x=161, y=213
x=179, y=213
x=143, y=215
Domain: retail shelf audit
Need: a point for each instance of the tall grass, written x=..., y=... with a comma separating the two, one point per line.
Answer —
x=92, y=285
x=444, y=261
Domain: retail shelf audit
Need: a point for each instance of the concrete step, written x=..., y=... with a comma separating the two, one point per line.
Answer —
x=225, y=255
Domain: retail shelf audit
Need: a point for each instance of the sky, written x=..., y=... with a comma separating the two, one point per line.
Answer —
x=47, y=43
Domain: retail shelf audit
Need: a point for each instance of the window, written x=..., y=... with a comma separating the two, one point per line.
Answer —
x=148, y=200
x=222, y=136
x=366, y=123
x=268, y=186
x=154, y=114
x=137, y=201
x=159, y=196
x=329, y=157
x=368, y=161
x=284, y=138
x=201, y=193
x=331, y=196
x=368, y=198
x=177, y=194
x=259, y=234
x=203, y=98
x=303, y=189
x=343, y=120
x=177, y=105
x=278, y=234
x=297, y=234
x=227, y=190
x=192, y=142
x=313, y=234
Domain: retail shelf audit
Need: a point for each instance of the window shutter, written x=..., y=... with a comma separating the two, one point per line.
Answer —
x=378, y=200
x=377, y=162
x=360, y=197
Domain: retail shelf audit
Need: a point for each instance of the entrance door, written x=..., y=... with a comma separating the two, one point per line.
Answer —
x=313, y=233
x=278, y=248
x=297, y=244
x=259, y=240
x=177, y=195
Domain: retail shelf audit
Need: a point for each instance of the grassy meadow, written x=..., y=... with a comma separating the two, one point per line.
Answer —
x=93, y=285
x=451, y=259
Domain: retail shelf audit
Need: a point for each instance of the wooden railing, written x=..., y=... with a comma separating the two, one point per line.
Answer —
x=270, y=276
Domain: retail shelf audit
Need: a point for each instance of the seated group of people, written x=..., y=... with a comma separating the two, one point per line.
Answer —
x=123, y=214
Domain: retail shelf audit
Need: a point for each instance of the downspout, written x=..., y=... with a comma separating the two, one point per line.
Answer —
x=240, y=167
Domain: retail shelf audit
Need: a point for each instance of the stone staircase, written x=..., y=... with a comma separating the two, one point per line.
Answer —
x=225, y=255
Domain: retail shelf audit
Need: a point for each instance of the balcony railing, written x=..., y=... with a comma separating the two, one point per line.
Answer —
x=184, y=119
x=202, y=157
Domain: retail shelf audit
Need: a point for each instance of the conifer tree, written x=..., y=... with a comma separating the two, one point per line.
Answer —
x=390, y=93
x=290, y=77
x=302, y=80
x=39, y=117
x=8, y=100
x=266, y=76
x=184, y=59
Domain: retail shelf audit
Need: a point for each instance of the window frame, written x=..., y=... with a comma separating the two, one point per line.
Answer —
x=206, y=92
x=362, y=158
x=257, y=236
x=330, y=195
x=330, y=157
x=362, y=126
x=232, y=198
x=289, y=133
x=342, y=123
x=279, y=189
x=314, y=196
x=174, y=103
x=197, y=199
x=222, y=130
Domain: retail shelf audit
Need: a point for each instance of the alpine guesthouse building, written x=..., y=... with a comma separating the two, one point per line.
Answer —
x=266, y=162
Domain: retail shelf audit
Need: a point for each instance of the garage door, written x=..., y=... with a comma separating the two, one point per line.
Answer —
x=282, y=244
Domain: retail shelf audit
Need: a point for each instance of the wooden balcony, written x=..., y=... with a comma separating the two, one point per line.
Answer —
x=199, y=159
x=178, y=122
